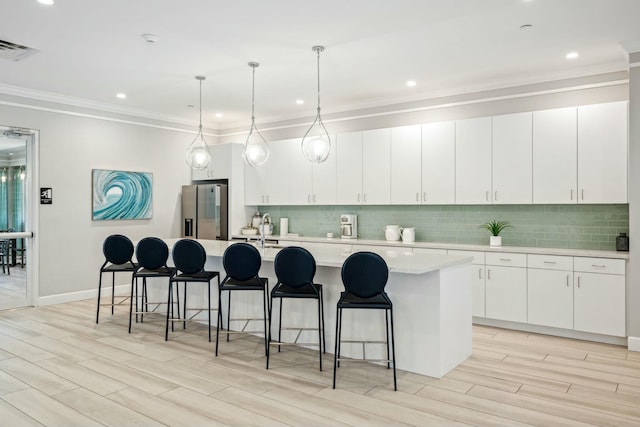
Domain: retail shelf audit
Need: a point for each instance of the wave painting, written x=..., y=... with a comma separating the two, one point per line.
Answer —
x=121, y=195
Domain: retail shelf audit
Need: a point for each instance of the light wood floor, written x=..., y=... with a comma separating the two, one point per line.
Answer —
x=58, y=368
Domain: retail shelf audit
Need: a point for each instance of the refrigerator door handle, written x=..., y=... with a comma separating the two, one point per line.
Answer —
x=188, y=227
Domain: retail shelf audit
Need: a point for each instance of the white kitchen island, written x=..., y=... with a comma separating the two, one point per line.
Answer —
x=431, y=297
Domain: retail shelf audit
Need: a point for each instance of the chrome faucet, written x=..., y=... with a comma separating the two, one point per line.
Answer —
x=262, y=233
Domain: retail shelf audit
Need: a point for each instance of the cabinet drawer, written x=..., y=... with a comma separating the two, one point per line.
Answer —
x=599, y=265
x=505, y=258
x=550, y=262
x=478, y=257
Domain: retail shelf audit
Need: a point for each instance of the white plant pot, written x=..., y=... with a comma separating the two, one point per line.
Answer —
x=495, y=240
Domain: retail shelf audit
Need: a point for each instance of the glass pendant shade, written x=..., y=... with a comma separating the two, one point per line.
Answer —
x=256, y=149
x=197, y=155
x=316, y=143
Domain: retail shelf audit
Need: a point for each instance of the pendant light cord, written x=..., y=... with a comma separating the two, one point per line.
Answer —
x=200, y=105
x=253, y=95
x=318, y=50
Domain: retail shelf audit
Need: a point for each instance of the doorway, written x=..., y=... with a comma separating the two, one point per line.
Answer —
x=16, y=207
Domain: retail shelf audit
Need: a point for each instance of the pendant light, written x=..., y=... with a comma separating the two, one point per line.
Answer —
x=256, y=149
x=197, y=155
x=316, y=143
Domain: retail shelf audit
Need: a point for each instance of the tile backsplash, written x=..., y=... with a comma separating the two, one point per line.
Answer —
x=551, y=226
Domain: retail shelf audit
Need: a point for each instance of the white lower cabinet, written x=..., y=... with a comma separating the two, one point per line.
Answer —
x=506, y=286
x=599, y=296
x=477, y=280
x=550, y=298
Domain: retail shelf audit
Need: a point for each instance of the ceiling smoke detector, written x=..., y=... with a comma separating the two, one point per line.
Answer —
x=150, y=38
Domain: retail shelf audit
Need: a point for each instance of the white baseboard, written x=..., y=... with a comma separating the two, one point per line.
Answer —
x=81, y=295
x=633, y=343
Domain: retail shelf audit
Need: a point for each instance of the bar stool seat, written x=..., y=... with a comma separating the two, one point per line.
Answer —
x=241, y=262
x=118, y=251
x=295, y=269
x=365, y=275
x=189, y=258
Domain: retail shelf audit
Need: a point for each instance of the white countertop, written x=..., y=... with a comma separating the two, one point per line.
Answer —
x=398, y=260
x=457, y=246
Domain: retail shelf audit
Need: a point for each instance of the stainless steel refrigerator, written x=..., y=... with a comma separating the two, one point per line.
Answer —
x=205, y=211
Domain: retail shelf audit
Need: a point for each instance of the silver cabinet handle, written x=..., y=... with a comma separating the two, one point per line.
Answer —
x=567, y=280
x=495, y=196
x=263, y=199
x=308, y=198
x=598, y=266
x=486, y=196
x=424, y=196
x=364, y=197
x=505, y=259
x=417, y=197
x=480, y=273
x=578, y=281
x=582, y=194
x=358, y=197
x=549, y=262
x=571, y=196
x=489, y=274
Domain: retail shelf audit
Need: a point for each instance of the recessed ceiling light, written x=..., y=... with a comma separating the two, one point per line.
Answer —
x=411, y=83
x=572, y=55
x=219, y=115
x=47, y=2
x=121, y=95
x=299, y=101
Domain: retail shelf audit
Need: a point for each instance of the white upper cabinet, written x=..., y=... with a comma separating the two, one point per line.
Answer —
x=602, y=153
x=473, y=161
x=512, y=139
x=555, y=144
x=439, y=163
x=220, y=167
x=349, y=168
x=269, y=184
x=406, y=154
x=376, y=167
x=301, y=174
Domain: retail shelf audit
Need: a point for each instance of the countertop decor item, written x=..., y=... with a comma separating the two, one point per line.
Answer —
x=197, y=155
x=256, y=149
x=622, y=242
x=316, y=143
x=495, y=227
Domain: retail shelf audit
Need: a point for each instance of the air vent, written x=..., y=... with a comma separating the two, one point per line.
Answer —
x=13, y=51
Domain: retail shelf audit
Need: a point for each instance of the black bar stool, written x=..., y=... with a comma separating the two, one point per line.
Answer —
x=295, y=268
x=242, y=263
x=152, y=255
x=189, y=258
x=118, y=251
x=365, y=276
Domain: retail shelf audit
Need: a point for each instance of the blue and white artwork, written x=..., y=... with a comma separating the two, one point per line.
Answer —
x=121, y=195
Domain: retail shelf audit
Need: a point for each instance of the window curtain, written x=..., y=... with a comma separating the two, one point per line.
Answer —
x=4, y=200
x=18, y=199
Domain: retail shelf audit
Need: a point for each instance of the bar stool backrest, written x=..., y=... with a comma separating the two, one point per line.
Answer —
x=117, y=249
x=152, y=253
x=241, y=261
x=189, y=256
x=364, y=274
x=295, y=266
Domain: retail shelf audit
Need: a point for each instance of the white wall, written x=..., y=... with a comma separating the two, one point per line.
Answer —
x=70, y=146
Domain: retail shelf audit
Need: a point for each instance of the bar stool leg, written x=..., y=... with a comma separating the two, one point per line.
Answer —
x=393, y=352
x=269, y=347
x=336, y=353
x=169, y=310
x=99, y=289
x=320, y=330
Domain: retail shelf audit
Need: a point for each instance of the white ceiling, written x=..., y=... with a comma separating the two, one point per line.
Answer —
x=90, y=50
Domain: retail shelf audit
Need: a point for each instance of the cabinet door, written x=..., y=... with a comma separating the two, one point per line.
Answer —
x=406, y=165
x=599, y=303
x=473, y=161
x=301, y=170
x=255, y=179
x=324, y=178
x=550, y=298
x=376, y=167
x=277, y=179
x=349, y=168
x=439, y=163
x=512, y=158
x=554, y=156
x=602, y=153
x=506, y=293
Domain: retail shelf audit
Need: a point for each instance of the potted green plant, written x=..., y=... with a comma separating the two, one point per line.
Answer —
x=495, y=227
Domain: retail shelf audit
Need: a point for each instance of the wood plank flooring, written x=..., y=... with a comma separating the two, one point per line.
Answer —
x=58, y=368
